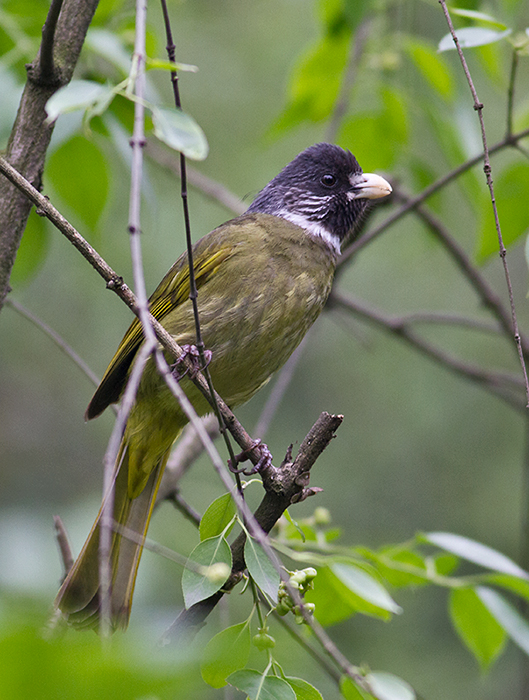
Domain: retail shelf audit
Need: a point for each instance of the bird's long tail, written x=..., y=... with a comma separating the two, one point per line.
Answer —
x=79, y=596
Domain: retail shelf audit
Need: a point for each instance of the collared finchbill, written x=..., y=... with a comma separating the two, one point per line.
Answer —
x=369, y=186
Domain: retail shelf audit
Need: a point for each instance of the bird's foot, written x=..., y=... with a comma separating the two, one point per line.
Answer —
x=192, y=353
x=264, y=462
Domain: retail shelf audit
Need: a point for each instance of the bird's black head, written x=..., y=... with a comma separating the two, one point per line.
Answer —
x=323, y=190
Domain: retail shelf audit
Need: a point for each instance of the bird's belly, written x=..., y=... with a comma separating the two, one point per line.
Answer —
x=250, y=337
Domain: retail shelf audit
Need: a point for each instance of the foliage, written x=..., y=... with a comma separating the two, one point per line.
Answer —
x=385, y=91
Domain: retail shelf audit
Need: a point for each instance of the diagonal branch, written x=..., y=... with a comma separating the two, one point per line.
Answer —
x=55, y=337
x=506, y=386
x=488, y=296
x=116, y=284
x=283, y=485
x=436, y=186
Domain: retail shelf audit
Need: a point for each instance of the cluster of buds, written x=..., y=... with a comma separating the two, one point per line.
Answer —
x=301, y=580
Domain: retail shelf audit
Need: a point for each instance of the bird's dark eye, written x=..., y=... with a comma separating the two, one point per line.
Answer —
x=328, y=180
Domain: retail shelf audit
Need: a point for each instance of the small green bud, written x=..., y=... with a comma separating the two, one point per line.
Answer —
x=297, y=578
x=284, y=607
x=263, y=641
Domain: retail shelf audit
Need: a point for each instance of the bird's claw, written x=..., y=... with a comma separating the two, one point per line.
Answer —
x=193, y=354
x=264, y=461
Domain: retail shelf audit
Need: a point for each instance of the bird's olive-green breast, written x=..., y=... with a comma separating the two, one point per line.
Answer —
x=255, y=307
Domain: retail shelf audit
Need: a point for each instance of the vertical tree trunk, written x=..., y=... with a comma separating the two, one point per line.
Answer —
x=63, y=37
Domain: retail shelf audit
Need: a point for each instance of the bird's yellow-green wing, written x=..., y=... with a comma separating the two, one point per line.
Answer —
x=208, y=254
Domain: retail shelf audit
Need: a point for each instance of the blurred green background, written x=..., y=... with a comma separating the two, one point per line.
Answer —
x=419, y=449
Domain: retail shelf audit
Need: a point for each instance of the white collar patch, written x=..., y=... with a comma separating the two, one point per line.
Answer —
x=313, y=229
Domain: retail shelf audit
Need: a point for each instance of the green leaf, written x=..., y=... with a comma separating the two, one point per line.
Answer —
x=380, y=131
x=196, y=585
x=478, y=16
x=259, y=687
x=386, y=686
x=475, y=552
x=32, y=251
x=261, y=569
x=507, y=616
x=109, y=46
x=510, y=188
x=335, y=15
x=295, y=529
x=78, y=173
x=476, y=626
x=365, y=586
x=160, y=64
x=392, y=565
x=351, y=691
x=336, y=602
x=303, y=690
x=299, y=530
x=79, y=94
x=225, y=653
x=180, y=131
x=217, y=516
x=469, y=37
x=315, y=82
x=445, y=564
x=433, y=69
x=511, y=583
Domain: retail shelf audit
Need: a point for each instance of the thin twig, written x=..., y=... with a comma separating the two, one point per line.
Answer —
x=279, y=390
x=55, y=337
x=64, y=544
x=183, y=506
x=207, y=185
x=116, y=284
x=510, y=92
x=436, y=186
x=47, y=72
x=109, y=461
x=488, y=296
x=499, y=383
x=186, y=450
x=134, y=227
x=358, y=42
x=151, y=545
x=303, y=641
x=478, y=106
x=450, y=320
x=193, y=292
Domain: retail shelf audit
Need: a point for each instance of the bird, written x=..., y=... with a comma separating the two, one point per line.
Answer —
x=262, y=279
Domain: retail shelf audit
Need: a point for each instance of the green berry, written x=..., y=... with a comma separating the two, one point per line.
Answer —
x=263, y=641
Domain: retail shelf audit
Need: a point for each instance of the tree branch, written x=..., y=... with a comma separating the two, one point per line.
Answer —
x=208, y=186
x=31, y=134
x=48, y=74
x=55, y=337
x=116, y=284
x=487, y=169
x=488, y=296
x=506, y=386
x=358, y=43
x=283, y=485
x=360, y=243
